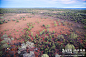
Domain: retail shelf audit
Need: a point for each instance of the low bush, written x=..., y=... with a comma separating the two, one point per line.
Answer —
x=1, y=22
x=54, y=22
x=55, y=25
x=8, y=20
x=17, y=20
x=44, y=55
x=84, y=27
x=73, y=35
x=60, y=37
x=5, y=21
x=13, y=20
x=43, y=25
x=59, y=23
x=69, y=46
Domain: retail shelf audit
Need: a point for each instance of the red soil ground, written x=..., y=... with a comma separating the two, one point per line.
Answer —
x=11, y=25
x=15, y=28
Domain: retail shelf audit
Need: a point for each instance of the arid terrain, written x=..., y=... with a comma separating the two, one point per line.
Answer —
x=50, y=33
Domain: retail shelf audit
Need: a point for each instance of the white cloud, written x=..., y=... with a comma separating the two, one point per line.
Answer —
x=68, y=1
x=84, y=3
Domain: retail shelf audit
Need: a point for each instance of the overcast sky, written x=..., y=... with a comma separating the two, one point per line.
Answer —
x=42, y=3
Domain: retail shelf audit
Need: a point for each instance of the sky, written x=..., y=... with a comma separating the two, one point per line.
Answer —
x=42, y=3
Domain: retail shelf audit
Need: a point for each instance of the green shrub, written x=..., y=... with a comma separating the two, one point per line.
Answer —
x=17, y=20
x=43, y=25
x=54, y=22
x=41, y=33
x=73, y=35
x=47, y=30
x=17, y=30
x=8, y=20
x=1, y=22
x=36, y=35
x=47, y=26
x=13, y=20
x=83, y=21
x=29, y=29
x=31, y=33
x=84, y=27
x=55, y=25
x=27, y=32
x=58, y=20
x=69, y=46
x=53, y=31
x=3, y=41
x=5, y=21
x=59, y=23
x=44, y=55
x=5, y=45
x=60, y=36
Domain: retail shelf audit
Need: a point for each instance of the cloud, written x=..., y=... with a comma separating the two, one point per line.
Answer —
x=84, y=0
x=68, y=1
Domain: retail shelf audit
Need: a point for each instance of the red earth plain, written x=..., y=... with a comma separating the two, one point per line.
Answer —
x=18, y=26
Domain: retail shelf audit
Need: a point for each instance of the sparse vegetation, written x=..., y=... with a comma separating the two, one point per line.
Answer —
x=13, y=20
x=17, y=20
x=73, y=35
x=1, y=22
x=46, y=40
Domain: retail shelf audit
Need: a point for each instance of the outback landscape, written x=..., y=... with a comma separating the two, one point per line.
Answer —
x=41, y=32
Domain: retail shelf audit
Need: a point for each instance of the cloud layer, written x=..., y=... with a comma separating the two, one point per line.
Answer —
x=43, y=3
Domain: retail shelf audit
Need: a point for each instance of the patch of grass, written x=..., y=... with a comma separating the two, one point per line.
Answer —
x=8, y=20
x=14, y=29
x=5, y=21
x=5, y=30
x=73, y=35
x=17, y=30
x=59, y=23
x=13, y=20
x=55, y=25
x=32, y=34
x=69, y=46
x=47, y=30
x=47, y=26
x=1, y=22
x=43, y=25
x=54, y=22
x=29, y=29
x=17, y=20
x=58, y=20
x=9, y=34
x=53, y=31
